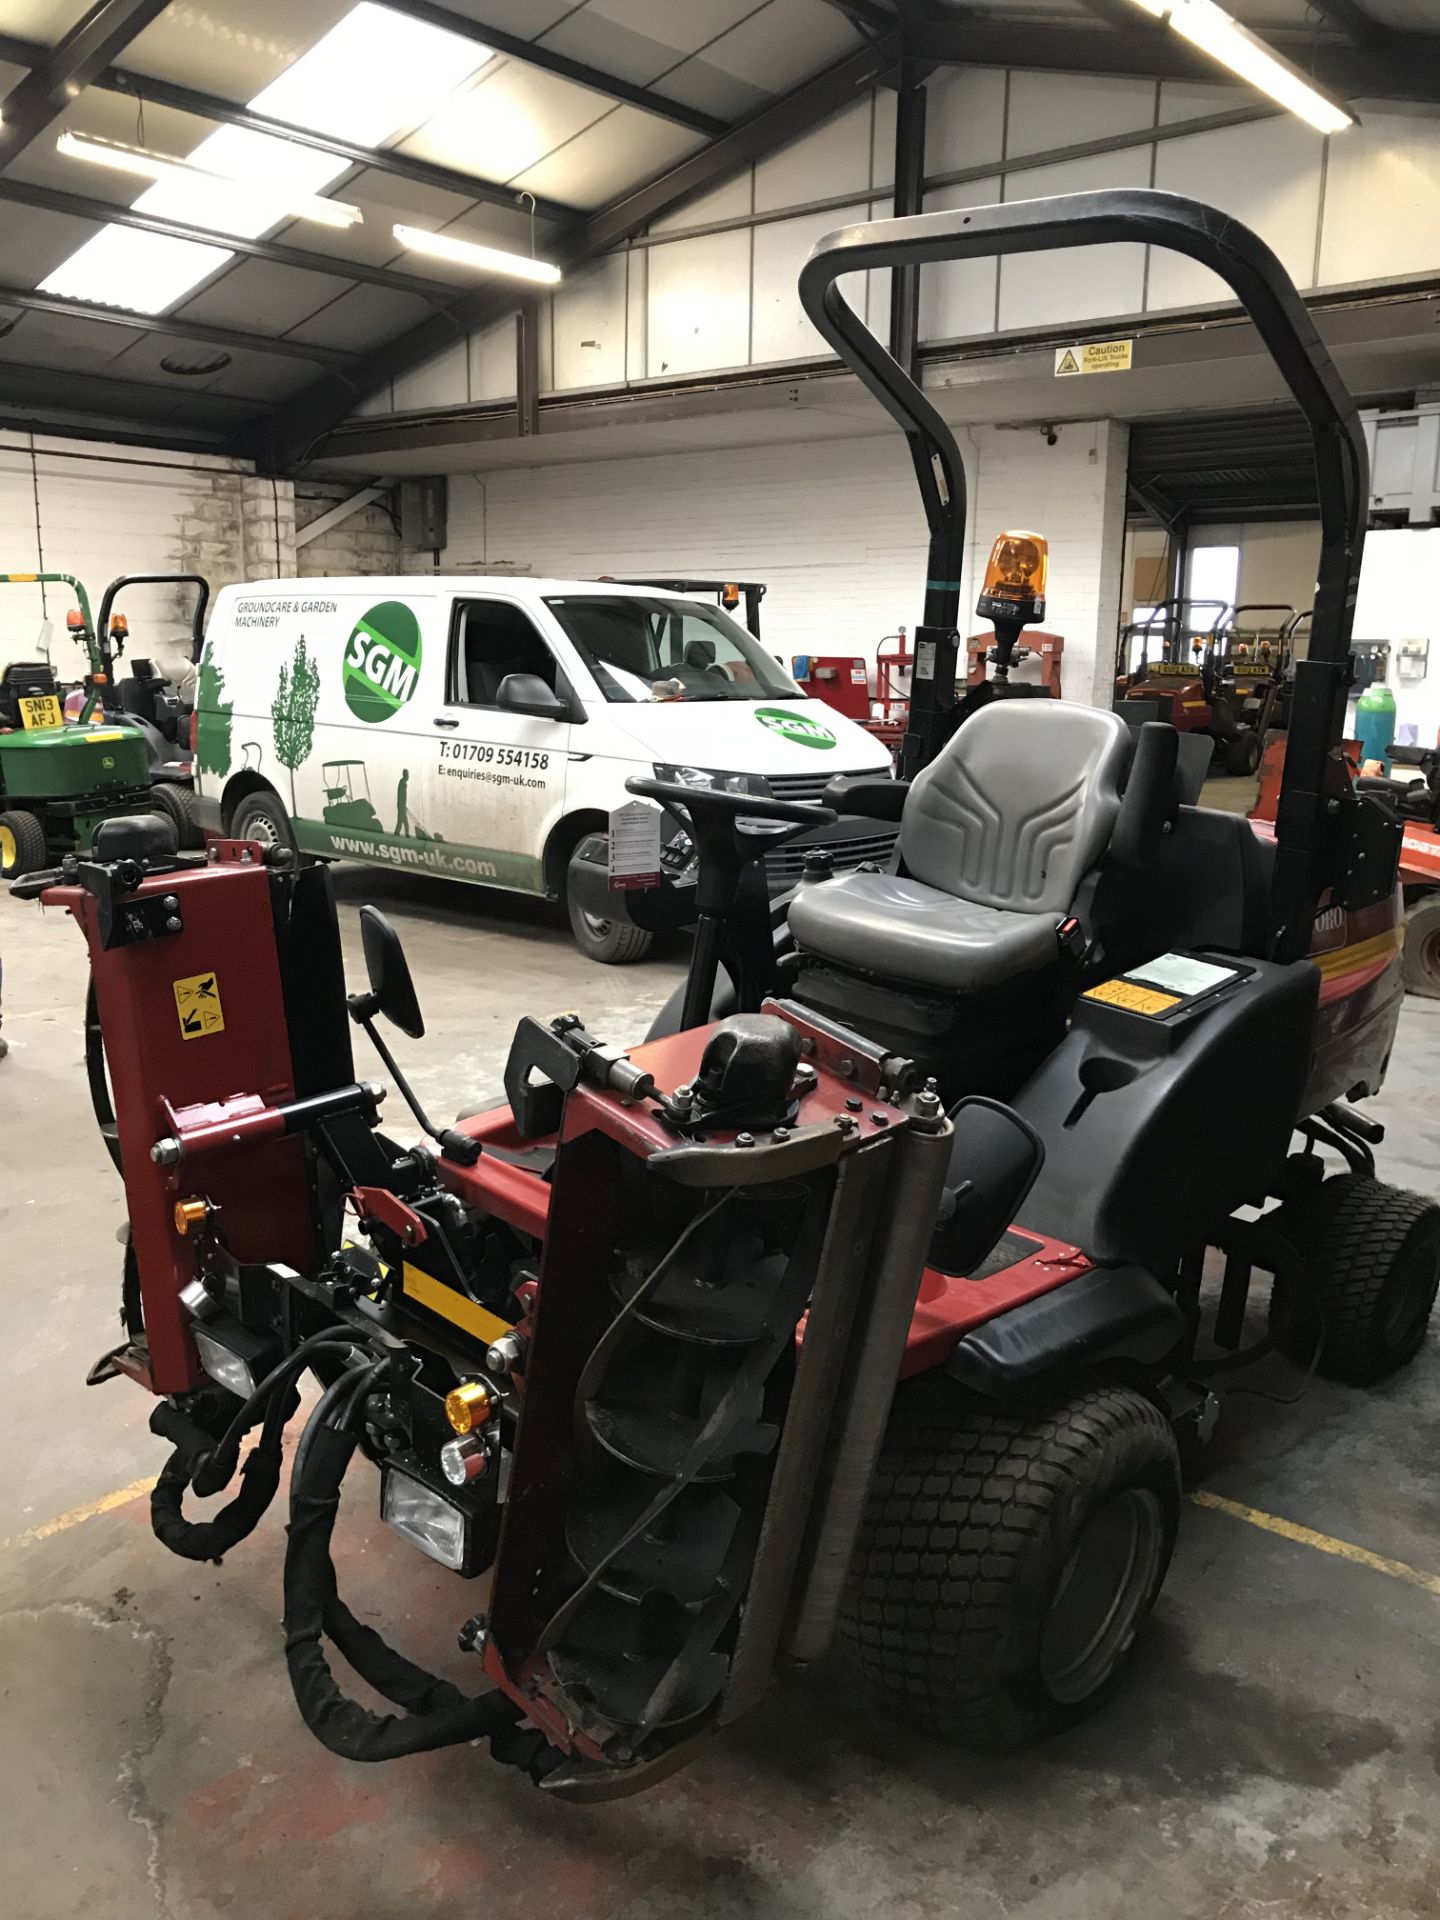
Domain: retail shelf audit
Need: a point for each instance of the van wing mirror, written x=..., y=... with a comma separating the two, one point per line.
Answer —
x=392, y=991
x=528, y=693
x=994, y=1158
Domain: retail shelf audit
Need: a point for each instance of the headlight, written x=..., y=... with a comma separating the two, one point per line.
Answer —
x=225, y=1367
x=424, y=1517
x=711, y=777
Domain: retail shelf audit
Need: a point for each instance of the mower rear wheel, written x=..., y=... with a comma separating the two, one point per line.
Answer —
x=182, y=809
x=261, y=816
x=23, y=847
x=1422, y=948
x=1007, y=1559
x=1372, y=1271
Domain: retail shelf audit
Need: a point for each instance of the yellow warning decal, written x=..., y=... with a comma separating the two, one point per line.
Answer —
x=1133, y=998
x=1096, y=356
x=40, y=710
x=94, y=739
x=197, y=1002
x=429, y=1292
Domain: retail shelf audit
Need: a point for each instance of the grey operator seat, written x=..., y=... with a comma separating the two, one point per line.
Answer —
x=997, y=836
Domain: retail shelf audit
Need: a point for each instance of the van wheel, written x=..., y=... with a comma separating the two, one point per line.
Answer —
x=181, y=808
x=614, y=943
x=261, y=816
x=23, y=847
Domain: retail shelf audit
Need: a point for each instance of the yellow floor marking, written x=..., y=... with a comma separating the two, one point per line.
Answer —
x=77, y=1516
x=1322, y=1542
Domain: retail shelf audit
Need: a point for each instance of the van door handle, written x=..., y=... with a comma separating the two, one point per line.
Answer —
x=441, y=721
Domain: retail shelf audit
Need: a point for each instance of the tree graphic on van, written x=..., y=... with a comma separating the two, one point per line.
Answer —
x=293, y=713
x=214, y=714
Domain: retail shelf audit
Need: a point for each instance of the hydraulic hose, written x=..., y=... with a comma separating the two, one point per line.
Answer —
x=209, y=1470
x=435, y=1713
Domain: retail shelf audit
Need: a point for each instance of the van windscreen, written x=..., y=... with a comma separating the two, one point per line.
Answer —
x=644, y=648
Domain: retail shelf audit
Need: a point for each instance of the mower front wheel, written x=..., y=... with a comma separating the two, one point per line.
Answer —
x=181, y=808
x=1008, y=1559
x=1242, y=753
x=1372, y=1273
x=23, y=847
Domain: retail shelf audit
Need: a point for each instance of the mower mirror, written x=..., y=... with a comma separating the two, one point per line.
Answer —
x=392, y=991
x=994, y=1158
x=528, y=693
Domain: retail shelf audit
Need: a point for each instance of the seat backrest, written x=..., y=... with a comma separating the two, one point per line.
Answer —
x=1020, y=805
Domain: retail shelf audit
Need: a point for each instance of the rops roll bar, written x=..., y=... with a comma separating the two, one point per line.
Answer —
x=202, y=600
x=1268, y=295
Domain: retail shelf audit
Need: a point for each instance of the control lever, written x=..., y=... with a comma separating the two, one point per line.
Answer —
x=454, y=1145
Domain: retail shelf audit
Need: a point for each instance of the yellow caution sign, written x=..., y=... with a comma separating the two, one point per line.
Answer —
x=197, y=1002
x=1097, y=356
x=1133, y=997
x=40, y=710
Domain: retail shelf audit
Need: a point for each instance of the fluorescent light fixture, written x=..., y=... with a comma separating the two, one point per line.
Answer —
x=468, y=253
x=146, y=165
x=375, y=74
x=1214, y=32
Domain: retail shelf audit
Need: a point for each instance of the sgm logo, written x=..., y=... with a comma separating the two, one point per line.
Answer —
x=798, y=727
x=382, y=661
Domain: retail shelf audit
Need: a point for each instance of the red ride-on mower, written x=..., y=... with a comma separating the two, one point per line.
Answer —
x=873, y=1306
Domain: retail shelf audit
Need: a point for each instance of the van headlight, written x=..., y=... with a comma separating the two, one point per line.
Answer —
x=712, y=777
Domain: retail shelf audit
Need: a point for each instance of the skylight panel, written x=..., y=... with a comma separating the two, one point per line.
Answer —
x=376, y=73
x=142, y=272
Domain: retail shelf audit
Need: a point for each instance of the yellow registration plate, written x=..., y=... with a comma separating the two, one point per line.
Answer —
x=40, y=710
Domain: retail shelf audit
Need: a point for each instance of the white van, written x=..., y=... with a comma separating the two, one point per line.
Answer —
x=479, y=728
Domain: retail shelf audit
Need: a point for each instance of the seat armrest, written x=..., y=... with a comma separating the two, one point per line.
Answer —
x=870, y=795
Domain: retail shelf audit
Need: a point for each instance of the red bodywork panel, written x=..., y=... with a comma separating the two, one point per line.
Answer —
x=207, y=1088
x=948, y=1306
x=842, y=681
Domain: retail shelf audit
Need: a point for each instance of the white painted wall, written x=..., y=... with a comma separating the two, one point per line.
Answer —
x=684, y=301
x=1399, y=599
x=834, y=530
x=97, y=511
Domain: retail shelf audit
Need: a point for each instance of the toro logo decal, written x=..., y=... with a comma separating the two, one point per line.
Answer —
x=797, y=727
x=382, y=661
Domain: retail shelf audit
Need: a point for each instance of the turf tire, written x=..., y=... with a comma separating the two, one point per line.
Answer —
x=967, y=1556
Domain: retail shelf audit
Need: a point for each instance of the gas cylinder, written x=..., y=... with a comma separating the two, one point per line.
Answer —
x=1375, y=719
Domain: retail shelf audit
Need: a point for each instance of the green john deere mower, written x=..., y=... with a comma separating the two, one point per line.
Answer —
x=59, y=779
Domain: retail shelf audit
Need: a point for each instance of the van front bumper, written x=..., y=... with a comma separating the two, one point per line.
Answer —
x=849, y=841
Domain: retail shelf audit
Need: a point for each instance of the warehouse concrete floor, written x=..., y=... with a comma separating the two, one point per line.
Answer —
x=1275, y=1753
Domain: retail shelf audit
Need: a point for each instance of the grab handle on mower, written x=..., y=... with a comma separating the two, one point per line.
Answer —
x=1307, y=822
x=1112, y=214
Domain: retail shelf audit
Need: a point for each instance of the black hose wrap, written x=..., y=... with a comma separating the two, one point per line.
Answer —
x=210, y=1466
x=436, y=1713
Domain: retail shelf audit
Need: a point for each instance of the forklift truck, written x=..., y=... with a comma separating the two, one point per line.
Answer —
x=816, y=1317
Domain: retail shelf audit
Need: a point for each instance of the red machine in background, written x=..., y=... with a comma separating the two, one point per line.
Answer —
x=841, y=680
x=982, y=650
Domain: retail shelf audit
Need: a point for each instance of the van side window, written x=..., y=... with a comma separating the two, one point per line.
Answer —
x=490, y=638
